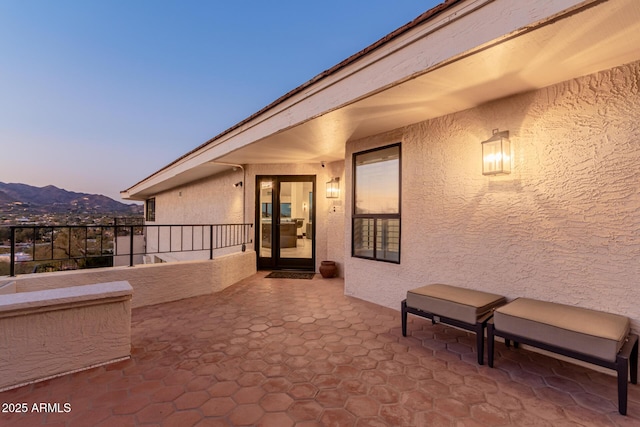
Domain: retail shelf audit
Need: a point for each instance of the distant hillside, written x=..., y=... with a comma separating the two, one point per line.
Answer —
x=51, y=199
x=5, y=198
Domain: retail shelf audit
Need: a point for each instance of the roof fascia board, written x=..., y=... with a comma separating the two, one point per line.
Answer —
x=457, y=31
x=369, y=75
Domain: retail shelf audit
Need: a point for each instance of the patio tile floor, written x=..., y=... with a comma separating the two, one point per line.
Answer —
x=282, y=352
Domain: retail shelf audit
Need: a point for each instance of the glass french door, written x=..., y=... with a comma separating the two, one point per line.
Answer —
x=285, y=213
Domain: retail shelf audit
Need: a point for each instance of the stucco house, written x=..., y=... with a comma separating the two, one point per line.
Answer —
x=378, y=163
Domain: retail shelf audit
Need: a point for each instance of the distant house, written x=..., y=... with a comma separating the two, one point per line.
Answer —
x=378, y=163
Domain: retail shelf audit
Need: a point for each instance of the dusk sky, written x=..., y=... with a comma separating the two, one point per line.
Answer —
x=97, y=95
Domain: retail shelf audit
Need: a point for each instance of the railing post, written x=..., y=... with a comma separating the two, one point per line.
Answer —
x=33, y=246
x=131, y=246
x=12, y=268
x=211, y=241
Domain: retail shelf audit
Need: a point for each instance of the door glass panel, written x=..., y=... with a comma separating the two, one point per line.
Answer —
x=266, y=217
x=296, y=228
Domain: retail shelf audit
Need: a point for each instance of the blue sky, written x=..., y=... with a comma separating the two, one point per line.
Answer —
x=97, y=95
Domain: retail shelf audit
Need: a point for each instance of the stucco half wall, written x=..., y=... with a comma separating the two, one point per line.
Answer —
x=564, y=226
x=154, y=283
x=50, y=332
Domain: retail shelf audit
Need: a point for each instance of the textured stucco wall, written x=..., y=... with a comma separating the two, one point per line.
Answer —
x=61, y=330
x=336, y=219
x=564, y=226
x=208, y=201
x=154, y=283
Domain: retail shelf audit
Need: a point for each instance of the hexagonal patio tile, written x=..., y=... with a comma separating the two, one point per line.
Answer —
x=274, y=402
x=223, y=388
x=246, y=415
x=191, y=400
x=362, y=406
x=489, y=415
x=275, y=420
x=338, y=418
x=384, y=394
x=248, y=394
x=154, y=412
x=303, y=391
x=217, y=406
x=452, y=407
x=250, y=379
x=305, y=410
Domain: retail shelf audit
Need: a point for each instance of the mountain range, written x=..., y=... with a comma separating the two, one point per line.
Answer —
x=51, y=199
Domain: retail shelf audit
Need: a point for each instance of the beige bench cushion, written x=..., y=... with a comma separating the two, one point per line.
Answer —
x=589, y=332
x=466, y=305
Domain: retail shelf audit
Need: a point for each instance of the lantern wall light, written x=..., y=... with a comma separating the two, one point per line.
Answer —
x=333, y=188
x=496, y=154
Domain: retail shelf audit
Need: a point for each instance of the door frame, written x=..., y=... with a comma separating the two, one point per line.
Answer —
x=277, y=262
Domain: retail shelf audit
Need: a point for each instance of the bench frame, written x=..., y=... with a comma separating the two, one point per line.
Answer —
x=626, y=359
x=477, y=327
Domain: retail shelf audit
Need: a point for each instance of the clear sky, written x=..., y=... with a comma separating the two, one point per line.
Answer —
x=97, y=95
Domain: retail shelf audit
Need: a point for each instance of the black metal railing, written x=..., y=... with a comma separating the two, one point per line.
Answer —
x=66, y=247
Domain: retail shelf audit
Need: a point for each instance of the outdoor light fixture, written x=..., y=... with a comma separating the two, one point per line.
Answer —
x=238, y=184
x=496, y=154
x=333, y=188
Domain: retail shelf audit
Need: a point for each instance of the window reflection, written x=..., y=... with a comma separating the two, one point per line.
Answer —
x=376, y=215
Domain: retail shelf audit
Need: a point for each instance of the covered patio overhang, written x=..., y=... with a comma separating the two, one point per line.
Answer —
x=456, y=56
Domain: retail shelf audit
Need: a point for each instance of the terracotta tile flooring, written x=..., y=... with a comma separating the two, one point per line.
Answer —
x=274, y=352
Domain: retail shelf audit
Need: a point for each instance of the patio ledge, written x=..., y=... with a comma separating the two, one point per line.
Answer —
x=23, y=303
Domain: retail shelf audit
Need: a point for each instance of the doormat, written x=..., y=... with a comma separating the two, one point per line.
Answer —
x=289, y=275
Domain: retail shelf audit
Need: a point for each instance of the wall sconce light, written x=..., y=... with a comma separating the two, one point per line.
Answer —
x=496, y=154
x=333, y=188
x=238, y=184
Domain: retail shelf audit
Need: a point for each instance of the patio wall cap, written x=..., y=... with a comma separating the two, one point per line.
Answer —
x=7, y=287
x=60, y=298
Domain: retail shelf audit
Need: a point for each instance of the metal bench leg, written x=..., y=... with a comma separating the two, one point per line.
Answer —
x=490, y=344
x=403, y=309
x=623, y=375
x=480, y=342
x=628, y=355
x=634, y=361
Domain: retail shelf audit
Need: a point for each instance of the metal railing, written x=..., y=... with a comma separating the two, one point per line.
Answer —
x=66, y=247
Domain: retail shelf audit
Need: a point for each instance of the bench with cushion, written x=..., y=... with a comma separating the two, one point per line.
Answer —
x=591, y=336
x=464, y=308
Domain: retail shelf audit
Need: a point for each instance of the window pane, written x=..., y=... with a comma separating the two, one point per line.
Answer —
x=363, y=237
x=151, y=210
x=388, y=239
x=377, y=175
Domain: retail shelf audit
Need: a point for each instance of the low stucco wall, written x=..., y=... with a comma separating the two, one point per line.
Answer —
x=56, y=331
x=154, y=283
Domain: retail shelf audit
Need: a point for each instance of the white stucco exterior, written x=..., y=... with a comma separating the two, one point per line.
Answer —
x=564, y=226
x=562, y=76
x=212, y=200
